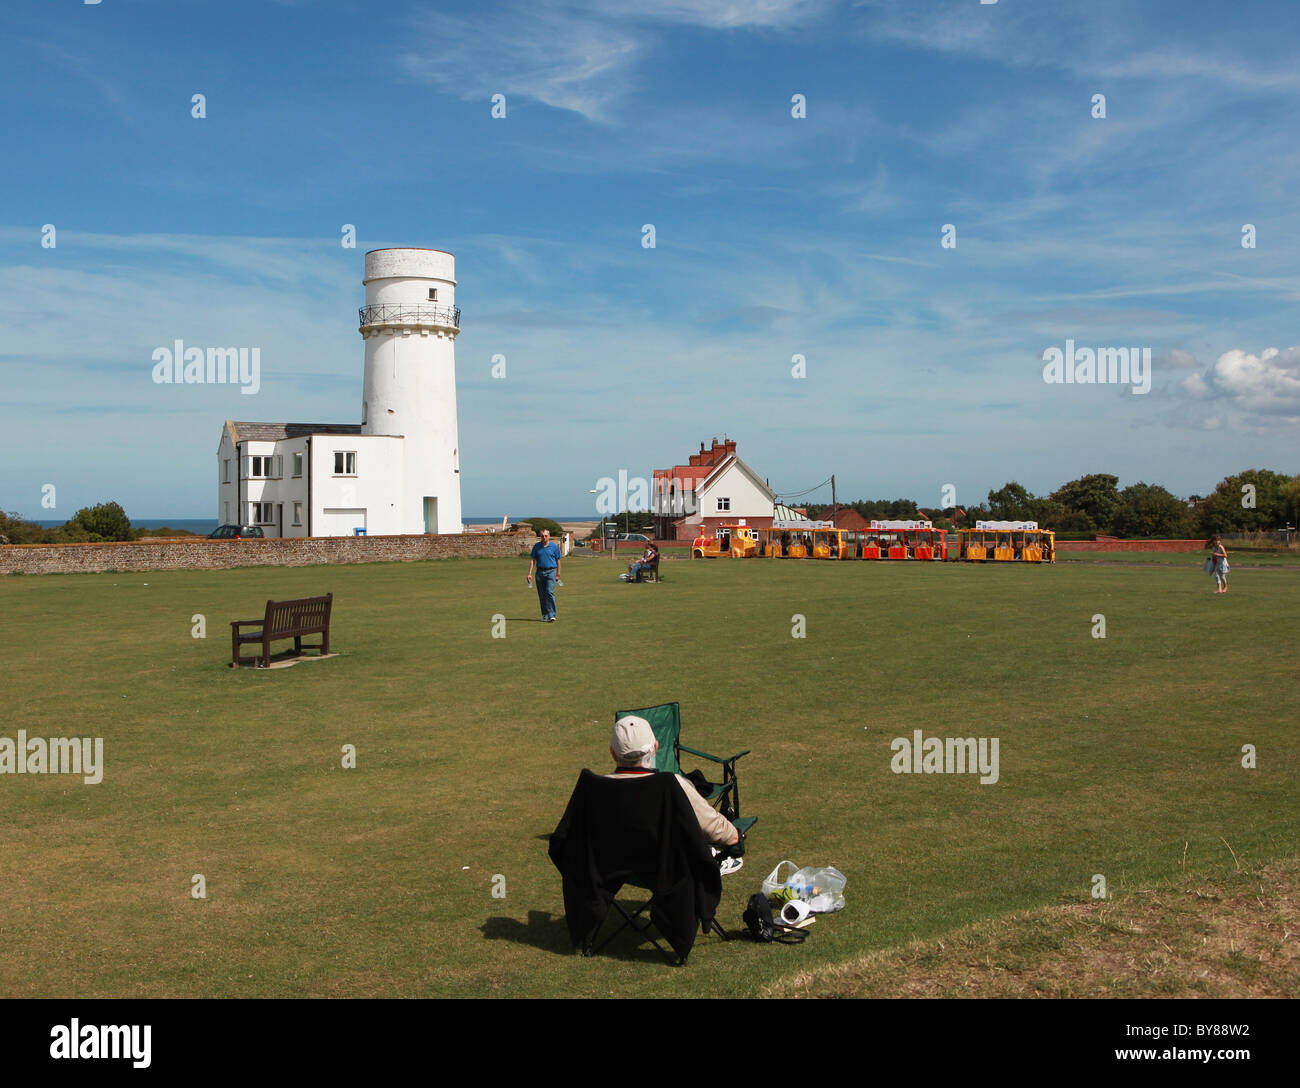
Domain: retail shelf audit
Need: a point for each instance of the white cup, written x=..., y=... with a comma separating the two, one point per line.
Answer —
x=794, y=912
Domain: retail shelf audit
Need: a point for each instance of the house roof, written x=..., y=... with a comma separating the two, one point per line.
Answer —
x=720, y=470
x=781, y=512
x=846, y=518
x=689, y=475
x=275, y=432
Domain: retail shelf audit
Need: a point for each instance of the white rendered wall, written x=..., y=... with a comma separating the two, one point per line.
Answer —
x=748, y=500
x=376, y=488
x=410, y=381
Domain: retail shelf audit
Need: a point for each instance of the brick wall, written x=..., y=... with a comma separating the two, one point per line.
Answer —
x=1130, y=546
x=180, y=553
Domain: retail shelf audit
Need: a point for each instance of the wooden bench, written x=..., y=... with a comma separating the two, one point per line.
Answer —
x=283, y=619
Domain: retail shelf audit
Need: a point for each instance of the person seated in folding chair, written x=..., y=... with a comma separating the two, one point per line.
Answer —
x=636, y=571
x=633, y=746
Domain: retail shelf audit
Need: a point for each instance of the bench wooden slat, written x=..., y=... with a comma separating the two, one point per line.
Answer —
x=284, y=619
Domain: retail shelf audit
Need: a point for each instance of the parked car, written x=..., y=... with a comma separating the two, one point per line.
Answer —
x=236, y=532
x=632, y=536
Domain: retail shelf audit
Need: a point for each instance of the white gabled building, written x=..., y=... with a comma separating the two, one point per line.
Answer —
x=715, y=488
x=398, y=470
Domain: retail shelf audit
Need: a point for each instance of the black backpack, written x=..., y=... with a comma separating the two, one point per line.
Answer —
x=764, y=929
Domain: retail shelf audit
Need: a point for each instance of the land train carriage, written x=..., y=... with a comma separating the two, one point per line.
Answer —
x=800, y=540
x=903, y=540
x=1006, y=542
x=882, y=540
x=738, y=541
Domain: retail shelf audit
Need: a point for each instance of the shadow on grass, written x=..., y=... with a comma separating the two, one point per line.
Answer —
x=551, y=934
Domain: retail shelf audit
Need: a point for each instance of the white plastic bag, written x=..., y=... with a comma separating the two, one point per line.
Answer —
x=776, y=881
x=821, y=888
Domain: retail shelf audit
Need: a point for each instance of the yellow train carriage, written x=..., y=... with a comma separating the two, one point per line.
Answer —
x=1006, y=542
x=737, y=541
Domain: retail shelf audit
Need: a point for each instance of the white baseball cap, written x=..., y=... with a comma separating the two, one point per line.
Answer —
x=632, y=740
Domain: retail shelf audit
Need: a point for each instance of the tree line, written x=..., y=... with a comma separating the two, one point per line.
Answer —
x=89, y=525
x=1252, y=501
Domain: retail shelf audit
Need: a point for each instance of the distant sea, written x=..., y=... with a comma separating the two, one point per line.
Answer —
x=201, y=526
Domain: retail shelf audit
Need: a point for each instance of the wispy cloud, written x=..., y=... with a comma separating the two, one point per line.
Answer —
x=582, y=57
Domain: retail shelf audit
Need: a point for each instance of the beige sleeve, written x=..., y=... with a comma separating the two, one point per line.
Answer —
x=716, y=827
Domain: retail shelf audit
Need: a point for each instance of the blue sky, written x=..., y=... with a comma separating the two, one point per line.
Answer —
x=818, y=236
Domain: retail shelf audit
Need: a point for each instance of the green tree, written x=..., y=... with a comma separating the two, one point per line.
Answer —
x=1148, y=510
x=1011, y=503
x=538, y=524
x=1095, y=496
x=1250, y=501
x=19, y=531
x=107, y=521
x=1291, y=501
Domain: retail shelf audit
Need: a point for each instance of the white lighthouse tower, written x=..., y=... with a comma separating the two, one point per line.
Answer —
x=409, y=324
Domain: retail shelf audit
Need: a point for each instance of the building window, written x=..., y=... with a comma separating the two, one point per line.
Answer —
x=263, y=513
x=724, y=505
x=297, y=513
x=225, y=471
x=297, y=464
x=225, y=513
x=433, y=294
x=345, y=463
x=265, y=468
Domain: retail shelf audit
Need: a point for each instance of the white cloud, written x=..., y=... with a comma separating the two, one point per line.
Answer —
x=1268, y=382
x=541, y=53
x=718, y=14
x=580, y=57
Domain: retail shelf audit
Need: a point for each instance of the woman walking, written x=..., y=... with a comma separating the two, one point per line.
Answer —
x=1219, y=565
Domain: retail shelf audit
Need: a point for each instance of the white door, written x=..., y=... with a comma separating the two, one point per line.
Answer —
x=339, y=522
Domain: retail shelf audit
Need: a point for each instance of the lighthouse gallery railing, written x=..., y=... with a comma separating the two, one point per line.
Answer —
x=396, y=313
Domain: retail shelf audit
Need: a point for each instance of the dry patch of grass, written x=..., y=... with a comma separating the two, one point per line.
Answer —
x=1230, y=934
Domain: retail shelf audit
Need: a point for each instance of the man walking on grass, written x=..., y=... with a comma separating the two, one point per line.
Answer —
x=546, y=561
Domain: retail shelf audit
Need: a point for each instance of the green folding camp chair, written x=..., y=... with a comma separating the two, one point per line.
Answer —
x=666, y=721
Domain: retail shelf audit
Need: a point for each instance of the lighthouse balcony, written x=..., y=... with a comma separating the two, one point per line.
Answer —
x=396, y=313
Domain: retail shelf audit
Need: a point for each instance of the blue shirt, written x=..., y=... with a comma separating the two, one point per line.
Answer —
x=546, y=556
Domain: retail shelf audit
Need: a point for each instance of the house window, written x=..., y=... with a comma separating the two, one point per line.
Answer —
x=724, y=505
x=263, y=513
x=225, y=513
x=345, y=463
x=433, y=294
x=297, y=513
x=297, y=464
x=265, y=468
x=225, y=471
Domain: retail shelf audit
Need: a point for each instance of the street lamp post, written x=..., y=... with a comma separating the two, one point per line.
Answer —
x=613, y=544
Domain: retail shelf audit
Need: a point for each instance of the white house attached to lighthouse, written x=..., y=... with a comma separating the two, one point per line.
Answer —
x=398, y=471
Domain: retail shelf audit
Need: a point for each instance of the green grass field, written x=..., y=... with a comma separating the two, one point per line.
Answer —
x=1119, y=756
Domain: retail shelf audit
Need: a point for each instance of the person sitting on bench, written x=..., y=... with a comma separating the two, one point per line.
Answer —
x=633, y=746
x=636, y=571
